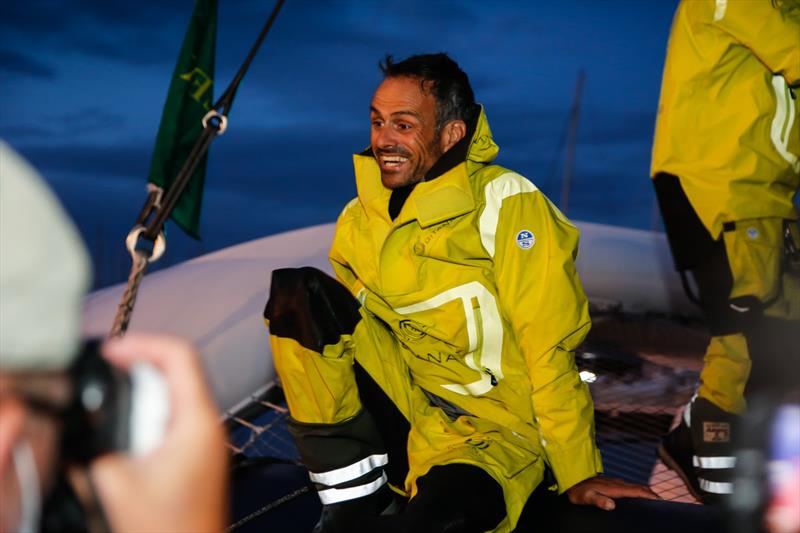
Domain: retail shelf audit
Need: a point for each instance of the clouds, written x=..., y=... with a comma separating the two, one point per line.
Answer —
x=84, y=83
x=15, y=62
x=618, y=127
x=128, y=162
x=131, y=32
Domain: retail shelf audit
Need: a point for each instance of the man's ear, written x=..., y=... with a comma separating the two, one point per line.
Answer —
x=452, y=132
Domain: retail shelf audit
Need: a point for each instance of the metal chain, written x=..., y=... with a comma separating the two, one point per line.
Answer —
x=139, y=263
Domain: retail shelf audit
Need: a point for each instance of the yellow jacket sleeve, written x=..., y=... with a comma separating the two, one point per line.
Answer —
x=341, y=247
x=542, y=297
x=770, y=35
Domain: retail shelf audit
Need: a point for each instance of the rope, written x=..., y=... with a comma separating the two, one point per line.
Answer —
x=175, y=190
x=125, y=310
x=226, y=100
x=270, y=506
x=214, y=124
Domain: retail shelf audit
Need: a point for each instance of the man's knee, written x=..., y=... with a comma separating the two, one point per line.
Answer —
x=307, y=305
x=456, y=497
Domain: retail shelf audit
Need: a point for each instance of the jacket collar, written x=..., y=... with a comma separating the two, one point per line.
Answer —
x=435, y=200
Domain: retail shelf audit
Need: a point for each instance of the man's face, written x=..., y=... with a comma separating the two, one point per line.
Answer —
x=21, y=424
x=403, y=135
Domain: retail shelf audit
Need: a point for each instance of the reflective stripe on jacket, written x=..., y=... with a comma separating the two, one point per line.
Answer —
x=476, y=278
x=727, y=122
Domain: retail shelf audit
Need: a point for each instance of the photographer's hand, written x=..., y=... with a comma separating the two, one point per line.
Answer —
x=182, y=485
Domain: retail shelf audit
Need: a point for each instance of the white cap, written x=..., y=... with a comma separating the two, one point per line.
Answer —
x=44, y=272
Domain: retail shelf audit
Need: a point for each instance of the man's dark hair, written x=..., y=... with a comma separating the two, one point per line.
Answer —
x=443, y=78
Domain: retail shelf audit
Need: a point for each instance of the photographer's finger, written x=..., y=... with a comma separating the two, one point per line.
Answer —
x=113, y=484
x=174, y=357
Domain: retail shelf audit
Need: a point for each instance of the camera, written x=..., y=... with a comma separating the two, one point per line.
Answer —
x=112, y=410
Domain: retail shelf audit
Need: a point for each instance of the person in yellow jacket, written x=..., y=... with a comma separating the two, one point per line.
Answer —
x=726, y=171
x=442, y=360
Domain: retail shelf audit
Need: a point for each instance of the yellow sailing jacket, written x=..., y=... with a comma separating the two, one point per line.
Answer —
x=727, y=121
x=476, y=278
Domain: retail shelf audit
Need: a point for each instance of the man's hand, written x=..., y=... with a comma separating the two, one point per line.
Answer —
x=182, y=485
x=600, y=491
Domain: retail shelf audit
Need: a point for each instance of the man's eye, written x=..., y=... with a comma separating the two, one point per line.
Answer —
x=377, y=123
x=403, y=126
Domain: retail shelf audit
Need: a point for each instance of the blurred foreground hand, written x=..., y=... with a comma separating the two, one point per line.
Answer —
x=183, y=484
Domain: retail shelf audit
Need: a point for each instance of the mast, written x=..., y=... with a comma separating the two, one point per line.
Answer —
x=572, y=134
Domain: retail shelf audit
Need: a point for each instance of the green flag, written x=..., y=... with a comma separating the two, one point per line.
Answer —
x=189, y=99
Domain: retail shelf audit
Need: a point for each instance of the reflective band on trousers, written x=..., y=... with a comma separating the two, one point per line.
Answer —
x=716, y=487
x=350, y=472
x=712, y=463
x=329, y=496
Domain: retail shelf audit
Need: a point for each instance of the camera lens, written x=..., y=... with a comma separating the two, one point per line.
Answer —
x=93, y=396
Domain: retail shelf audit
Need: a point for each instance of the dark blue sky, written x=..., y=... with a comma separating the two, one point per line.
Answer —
x=84, y=82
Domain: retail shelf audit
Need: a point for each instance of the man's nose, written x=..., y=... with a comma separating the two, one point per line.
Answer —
x=385, y=137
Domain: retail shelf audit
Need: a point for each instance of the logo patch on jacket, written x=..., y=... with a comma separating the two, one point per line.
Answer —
x=716, y=432
x=412, y=331
x=525, y=239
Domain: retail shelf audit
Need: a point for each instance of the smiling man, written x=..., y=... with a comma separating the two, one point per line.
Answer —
x=433, y=387
x=406, y=136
